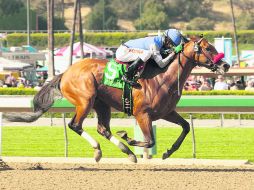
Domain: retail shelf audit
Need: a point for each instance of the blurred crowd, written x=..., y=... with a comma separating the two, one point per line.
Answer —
x=193, y=83
x=201, y=83
x=11, y=81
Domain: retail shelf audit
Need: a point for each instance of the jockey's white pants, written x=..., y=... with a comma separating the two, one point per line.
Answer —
x=126, y=54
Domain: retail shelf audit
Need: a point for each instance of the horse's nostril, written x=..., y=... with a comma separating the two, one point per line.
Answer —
x=226, y=66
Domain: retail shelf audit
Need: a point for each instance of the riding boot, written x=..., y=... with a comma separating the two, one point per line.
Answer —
x=128, y=77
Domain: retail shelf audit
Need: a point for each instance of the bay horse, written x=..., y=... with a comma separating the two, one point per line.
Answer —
x=157, y=97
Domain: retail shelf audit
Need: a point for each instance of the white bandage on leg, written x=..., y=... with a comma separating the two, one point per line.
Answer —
x=90, y=139
x=114, y=140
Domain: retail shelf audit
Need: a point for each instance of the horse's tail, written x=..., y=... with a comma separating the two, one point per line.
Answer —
x=42, y=101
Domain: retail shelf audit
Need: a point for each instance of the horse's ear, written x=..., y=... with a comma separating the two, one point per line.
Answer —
x=201, y=37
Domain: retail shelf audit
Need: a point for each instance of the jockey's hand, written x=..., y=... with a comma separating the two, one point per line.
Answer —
x=178, y=48
x=166, y=51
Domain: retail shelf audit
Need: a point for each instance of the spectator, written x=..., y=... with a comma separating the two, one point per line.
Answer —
x=1, y=83
x=191, y=83
x=205, y=86
x=21, y=82
x=240, y=85
x=220, y=84
x=191, y=86
x=194, y=86
x=250, y=86
x=28, y=84
x=10, y=81
x=233, y=86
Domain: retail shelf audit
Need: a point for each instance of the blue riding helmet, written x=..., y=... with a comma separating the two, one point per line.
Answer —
x=174, y=35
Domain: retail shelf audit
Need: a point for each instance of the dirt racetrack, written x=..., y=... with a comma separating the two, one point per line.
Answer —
x=121, y=176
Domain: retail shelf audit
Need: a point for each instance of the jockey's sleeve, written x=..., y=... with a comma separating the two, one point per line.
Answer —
x=158, y=58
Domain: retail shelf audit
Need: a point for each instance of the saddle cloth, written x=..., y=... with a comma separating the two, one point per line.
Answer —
x=112, y=77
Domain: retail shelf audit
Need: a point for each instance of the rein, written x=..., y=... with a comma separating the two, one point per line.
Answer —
x=178, y=75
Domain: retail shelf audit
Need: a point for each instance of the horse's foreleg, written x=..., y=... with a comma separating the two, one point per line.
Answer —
x=76, y=126
x=103, y=128
x=174, y=117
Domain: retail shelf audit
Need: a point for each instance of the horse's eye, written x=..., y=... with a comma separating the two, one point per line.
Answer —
x=207, y=49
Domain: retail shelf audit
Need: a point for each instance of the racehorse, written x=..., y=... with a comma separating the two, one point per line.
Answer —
x=159, y=92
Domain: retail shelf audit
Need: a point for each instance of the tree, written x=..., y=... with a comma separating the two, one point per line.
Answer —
x=10, y=22
x=89, y=2
x=245, y=22
x=102, y=17
x=41, y=9
x=246, y=6
x=199, y=23
x=41, y=12
x=126, y=9
x=153, y=17
x=188, y=9
x=8, y=7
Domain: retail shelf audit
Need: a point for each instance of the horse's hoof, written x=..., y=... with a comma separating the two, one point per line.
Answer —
x=132, y=142
x=97, y=155
x=122, y=134
x=133, y=158
x=165, y=155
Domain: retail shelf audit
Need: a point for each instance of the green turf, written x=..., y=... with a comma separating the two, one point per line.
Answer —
x=219, y=143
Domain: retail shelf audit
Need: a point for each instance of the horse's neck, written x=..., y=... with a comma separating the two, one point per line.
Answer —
x=169, y=75
x=178, y=70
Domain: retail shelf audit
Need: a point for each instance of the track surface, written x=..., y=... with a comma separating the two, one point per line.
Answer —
x=24, y=175
x=43, y=175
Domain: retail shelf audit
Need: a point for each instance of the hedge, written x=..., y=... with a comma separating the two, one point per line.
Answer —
x=17, y=91
x=31, y=91
x=62, y=39
x=218, y=92
x=244, y=36
x=40, y=40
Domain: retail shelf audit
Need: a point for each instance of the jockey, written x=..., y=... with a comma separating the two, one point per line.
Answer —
x=140, y=50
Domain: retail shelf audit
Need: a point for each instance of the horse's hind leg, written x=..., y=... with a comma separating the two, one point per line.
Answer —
x=103, y=128
x=145, y=125
x=174, y=117
x=76, y=126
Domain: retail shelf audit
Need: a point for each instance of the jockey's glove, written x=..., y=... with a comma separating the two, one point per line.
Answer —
x=178, y=48
x=166, y=51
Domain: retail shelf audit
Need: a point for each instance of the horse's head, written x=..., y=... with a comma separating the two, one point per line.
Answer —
x=204, y=54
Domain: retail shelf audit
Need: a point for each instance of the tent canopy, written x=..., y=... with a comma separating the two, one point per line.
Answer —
x=6, y=64
x=88, y=49
x=29, y=48
x=42, y=69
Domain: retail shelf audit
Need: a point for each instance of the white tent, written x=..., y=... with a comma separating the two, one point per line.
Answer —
x=9, y=65
x=89, y=49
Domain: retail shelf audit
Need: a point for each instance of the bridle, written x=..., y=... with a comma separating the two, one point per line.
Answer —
x=211, y=63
